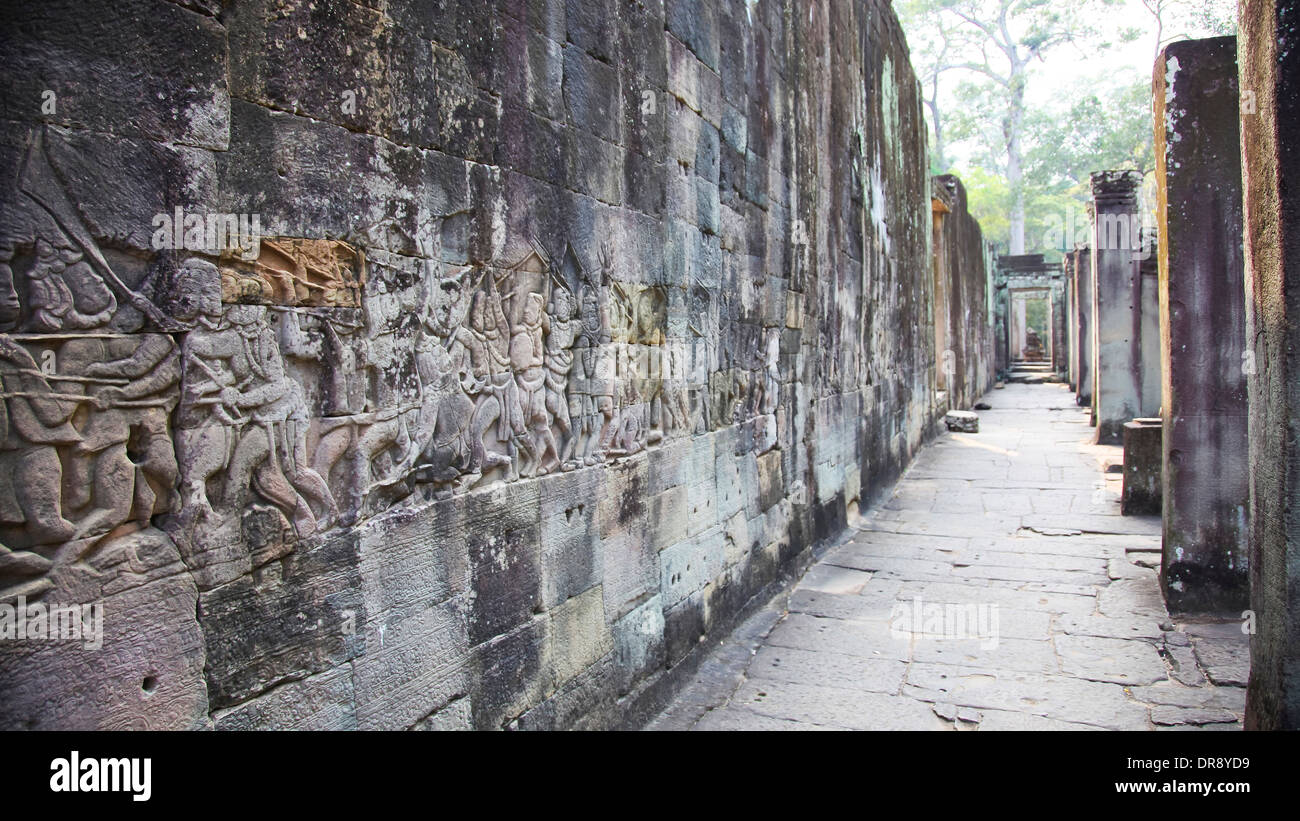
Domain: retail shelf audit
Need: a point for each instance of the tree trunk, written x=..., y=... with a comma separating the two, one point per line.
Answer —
x=940, y=161
x=1015, y=166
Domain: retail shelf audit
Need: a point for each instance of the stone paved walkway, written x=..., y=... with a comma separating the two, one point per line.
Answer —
x=997, y=589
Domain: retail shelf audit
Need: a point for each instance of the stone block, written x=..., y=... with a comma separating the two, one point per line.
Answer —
x=133, y=90
x=1142, y=467
x=578, y=634
x=297, y=617
x=962, y=421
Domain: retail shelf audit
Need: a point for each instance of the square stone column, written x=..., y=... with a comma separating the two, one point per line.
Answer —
x=1117, y=303
x=1001, y=320
x=1142, y=467
x=1018, y=328
x=1269, y=72
x=1060, y=314
x=1071, y=322
x=1083, y=299
x=1149, y=325
x=1203, y=326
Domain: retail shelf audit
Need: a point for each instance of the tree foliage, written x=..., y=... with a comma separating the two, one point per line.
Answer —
x=1026, y=166
x=993, y=44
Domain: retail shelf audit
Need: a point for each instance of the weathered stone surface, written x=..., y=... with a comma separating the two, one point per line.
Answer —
x=1078, y=268
x=962, y=421
x=1142, y=468
x=124, y=678
x=406, y=368
x=1268, y=67
x=974, y=647
x=132, y=92
x=966, y=360
x=1203, y=326
x=1124, y=309
x=845, y=709
x=320, y=702
x=1197, y=716
x=288, y=271
x=1122, y=661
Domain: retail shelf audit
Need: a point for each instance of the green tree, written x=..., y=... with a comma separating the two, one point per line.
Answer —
x=1191, y=18
x=997, y=41
x=1107, y=128
x=940, y=51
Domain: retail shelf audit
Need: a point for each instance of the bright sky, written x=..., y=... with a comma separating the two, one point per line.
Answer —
x=1068, y=70
x=1070, y=67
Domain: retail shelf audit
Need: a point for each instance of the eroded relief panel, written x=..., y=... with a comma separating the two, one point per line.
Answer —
x=292, y=271
x=274, y=397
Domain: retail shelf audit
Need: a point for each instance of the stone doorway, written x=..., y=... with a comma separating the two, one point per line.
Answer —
x=1031, y=323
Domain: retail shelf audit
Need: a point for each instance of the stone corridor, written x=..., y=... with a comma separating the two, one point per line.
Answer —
x=1036, y=604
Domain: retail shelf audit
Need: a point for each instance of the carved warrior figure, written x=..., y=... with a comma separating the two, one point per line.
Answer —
x=562, y=331
x=351, y=434
x=242, y=416
x=481, y=354
x=509, y=363
x=446, y=415
x=124, y=467
x=64, y=293
x=674, y=406
x=591, y=385
x=34, y=421
x=86, y=439
x=527, y=358
x=10, y=309
x=628, y=433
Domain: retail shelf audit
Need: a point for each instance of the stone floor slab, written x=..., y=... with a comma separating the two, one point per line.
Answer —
x=1017, y=526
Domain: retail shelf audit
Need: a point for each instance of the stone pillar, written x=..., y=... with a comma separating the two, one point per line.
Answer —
x=1117, y=303
x=1071, y=321
x=1018, y=328
x=1202, y=327
x=1057, y=326
x=1001, y=317
x=1083, y=327
x=1269, y=71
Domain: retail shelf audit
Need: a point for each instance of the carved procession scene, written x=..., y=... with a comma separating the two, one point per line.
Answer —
x=241, y=401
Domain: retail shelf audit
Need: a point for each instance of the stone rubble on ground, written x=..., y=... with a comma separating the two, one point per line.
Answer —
x=962, y=421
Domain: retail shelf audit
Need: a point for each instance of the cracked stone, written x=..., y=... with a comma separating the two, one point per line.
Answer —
x=1122, y=661
x=1171, y=716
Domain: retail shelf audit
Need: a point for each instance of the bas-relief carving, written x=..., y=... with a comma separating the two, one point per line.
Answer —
x=86, y=451
x=242, y=424
x=300, y=392
x=291, y=271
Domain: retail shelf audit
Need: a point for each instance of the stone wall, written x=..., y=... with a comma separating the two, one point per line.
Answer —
x=555, y=333
x=964, y=321
x=1268, y=68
